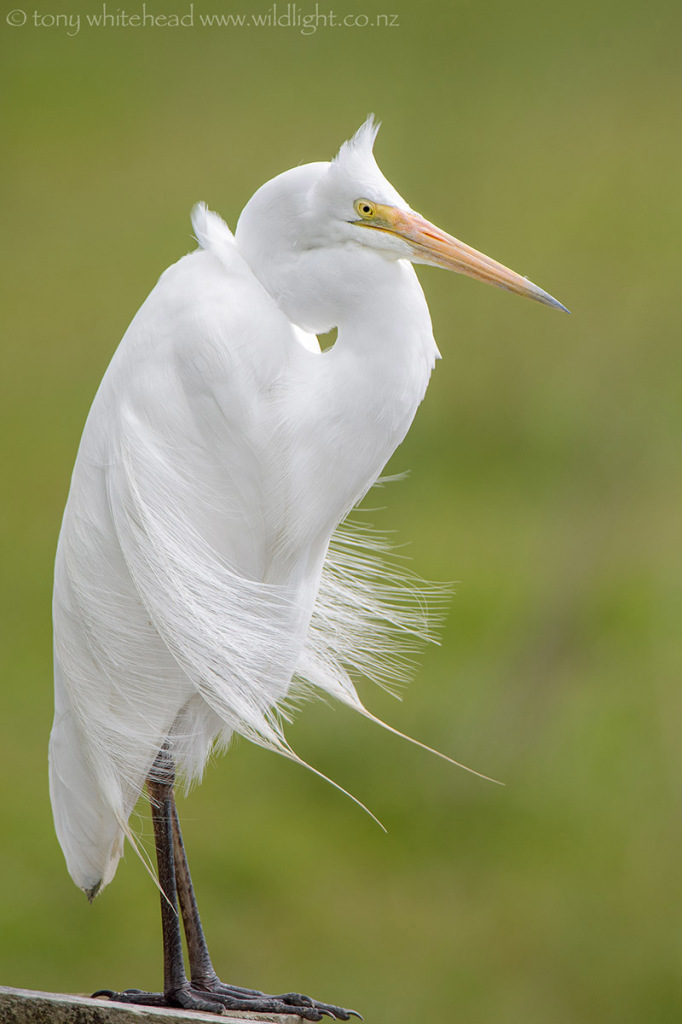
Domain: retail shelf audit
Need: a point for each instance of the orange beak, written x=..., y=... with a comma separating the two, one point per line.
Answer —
x=435, y=247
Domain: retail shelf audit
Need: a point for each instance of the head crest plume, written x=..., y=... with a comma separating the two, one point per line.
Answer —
x=362, y=143
x=355, y=169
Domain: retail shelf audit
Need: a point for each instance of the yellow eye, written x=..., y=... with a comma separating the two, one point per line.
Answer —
x=365, y=208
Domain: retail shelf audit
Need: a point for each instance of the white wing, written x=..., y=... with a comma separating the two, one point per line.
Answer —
x=162, y=621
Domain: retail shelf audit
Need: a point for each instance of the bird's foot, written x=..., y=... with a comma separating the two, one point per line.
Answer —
x=233, y=997
x=214, y=997
x=185, y=998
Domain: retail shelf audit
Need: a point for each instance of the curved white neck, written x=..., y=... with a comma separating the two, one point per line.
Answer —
x=355, y=403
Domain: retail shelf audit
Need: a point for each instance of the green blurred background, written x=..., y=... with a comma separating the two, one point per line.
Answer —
x=545, y=480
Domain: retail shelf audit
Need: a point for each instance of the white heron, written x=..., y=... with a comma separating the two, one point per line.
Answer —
x=194, y=589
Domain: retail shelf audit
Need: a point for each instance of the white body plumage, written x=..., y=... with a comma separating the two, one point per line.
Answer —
x=194, y=583
x=218, y=458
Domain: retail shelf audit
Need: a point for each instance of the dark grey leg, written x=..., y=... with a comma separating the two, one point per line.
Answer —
x=205, y=991
x=201, y=969
x=176, y=988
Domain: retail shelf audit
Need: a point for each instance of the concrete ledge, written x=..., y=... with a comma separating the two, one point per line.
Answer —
x=21, y=1006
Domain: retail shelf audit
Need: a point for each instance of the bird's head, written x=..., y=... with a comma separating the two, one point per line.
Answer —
x=348, y=203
